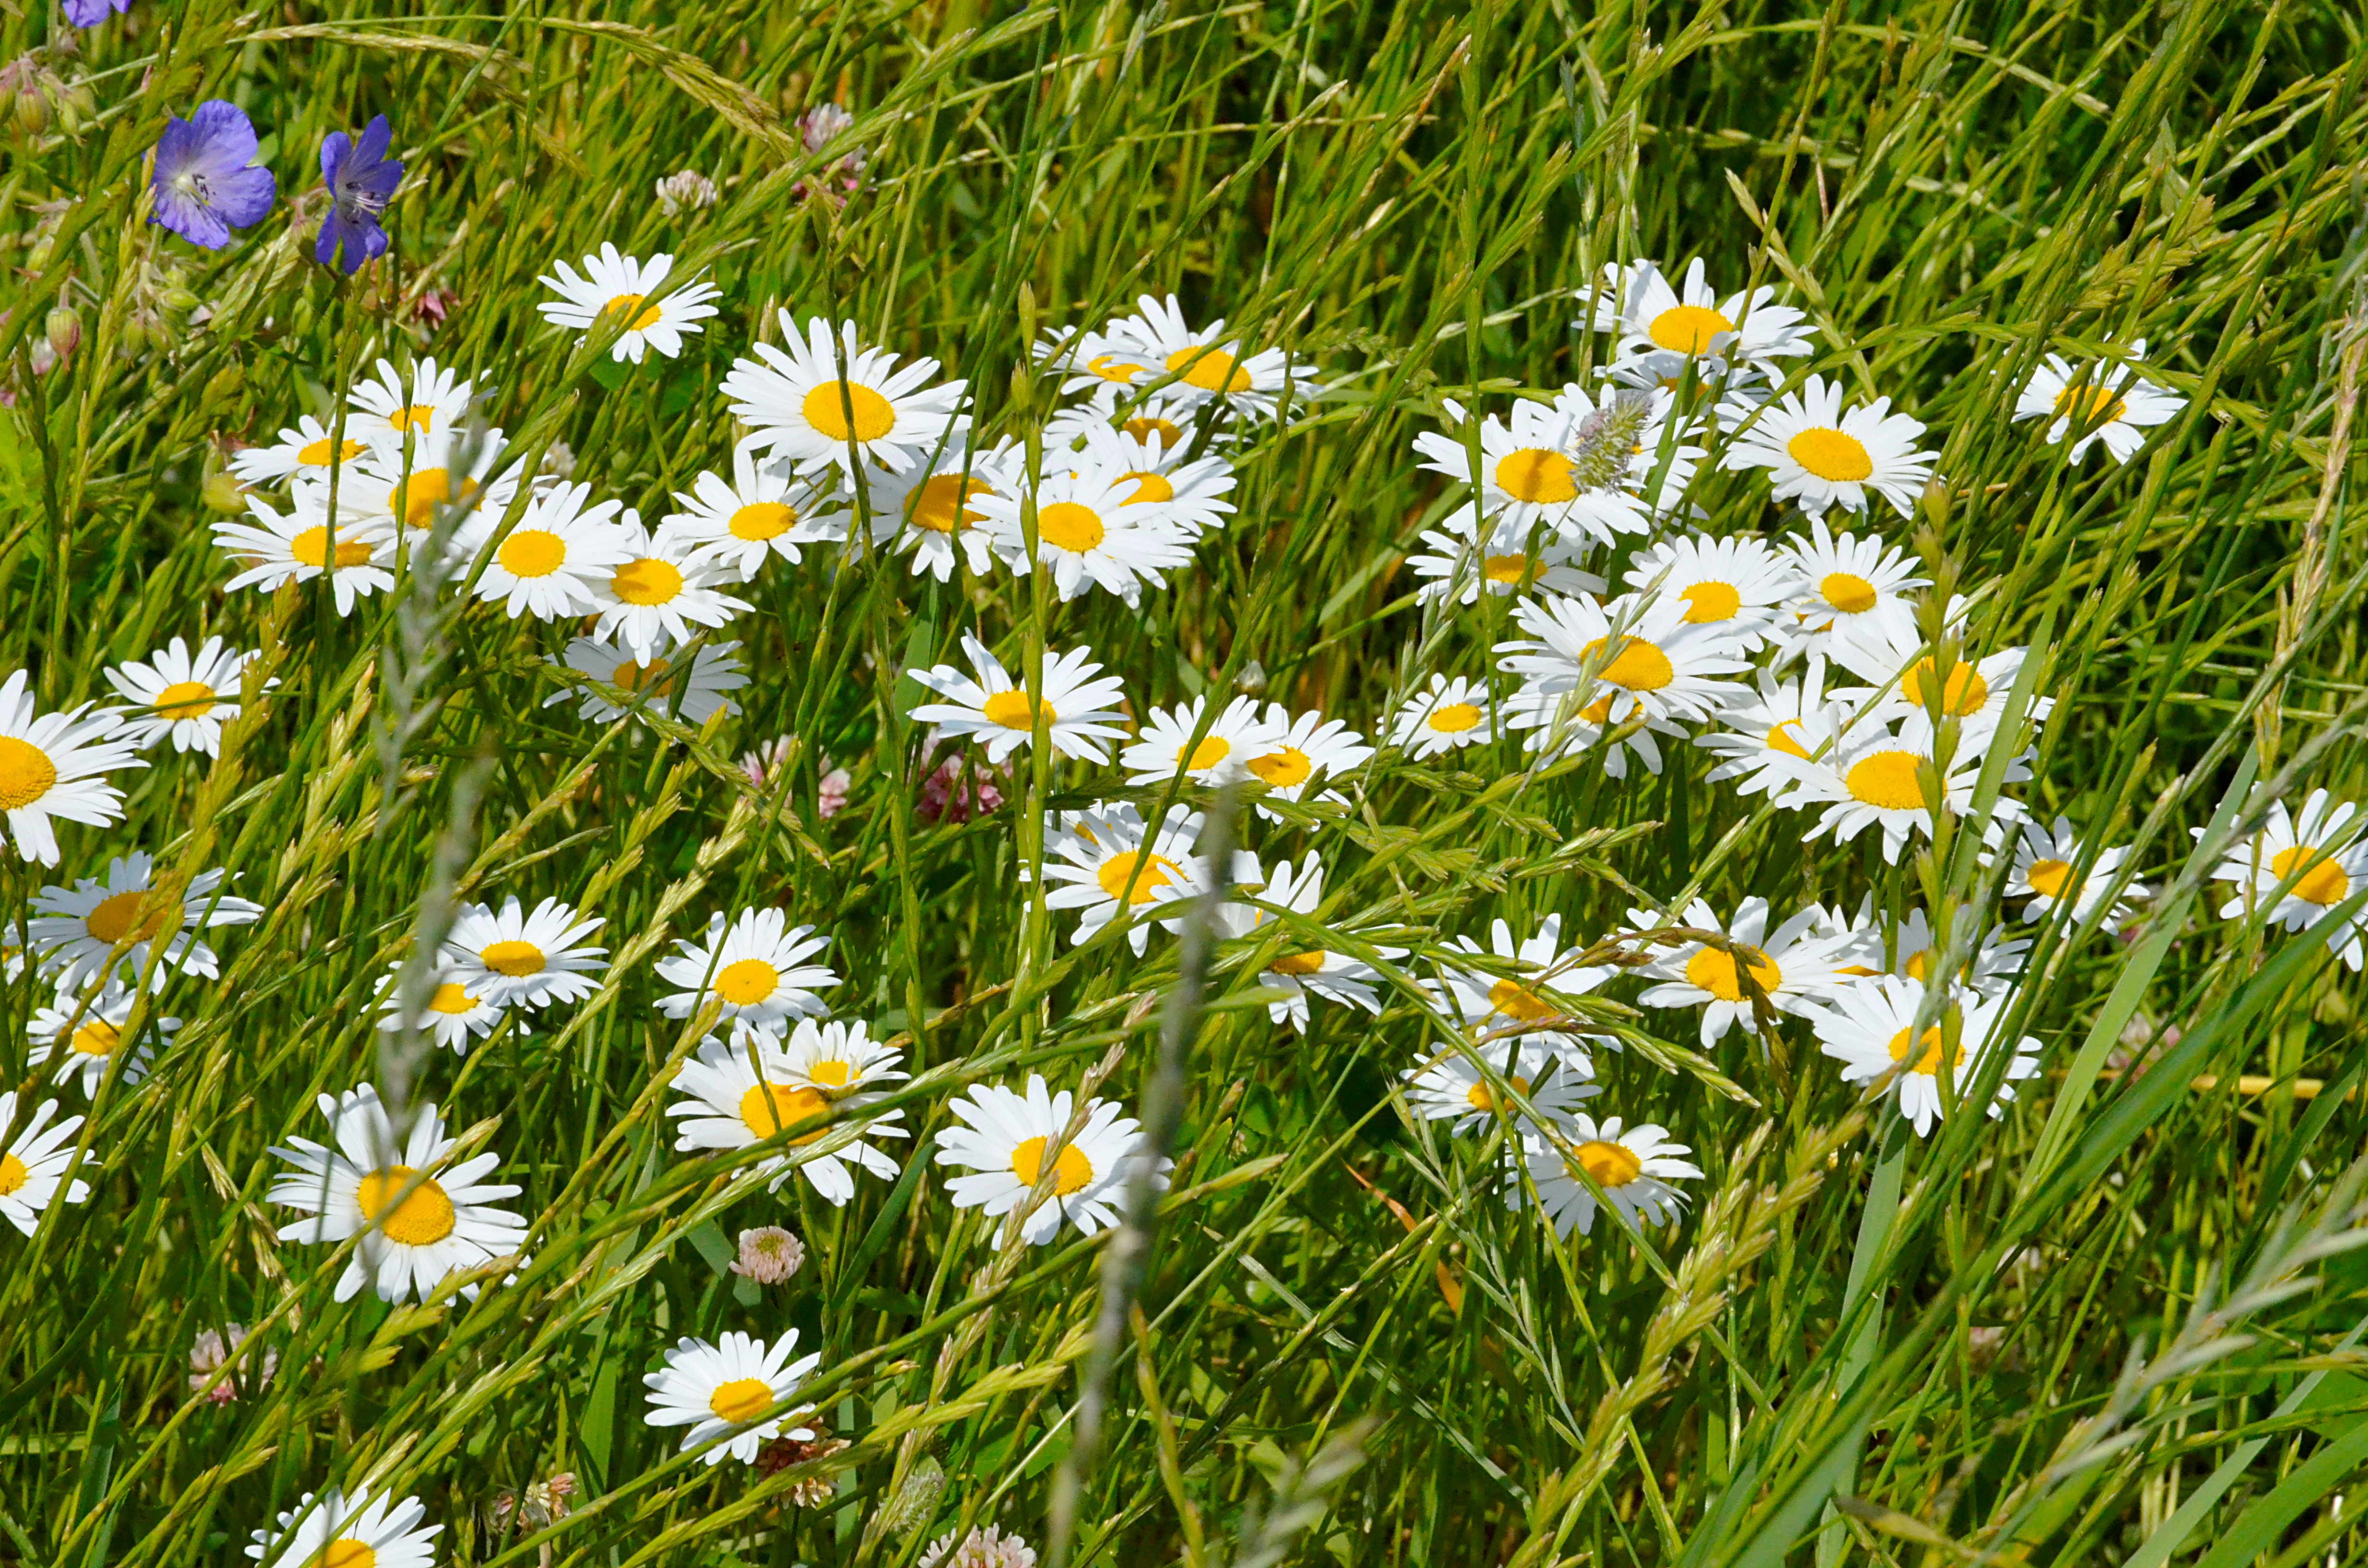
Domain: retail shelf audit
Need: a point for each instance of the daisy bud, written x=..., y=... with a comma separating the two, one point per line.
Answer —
x=769, y=1255
x=64, y=330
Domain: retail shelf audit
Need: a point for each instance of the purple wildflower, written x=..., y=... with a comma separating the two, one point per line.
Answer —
x=90, y=13
x=362, y=180
x=205, y=181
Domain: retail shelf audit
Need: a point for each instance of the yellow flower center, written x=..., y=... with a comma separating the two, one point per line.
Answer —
x=768, y=1107
x=1886, y=781
x=1780, y=739
x=1688, y=329
x=1505, y=568
x=1148, y=486
x=1963, y=693
x=347, y=1552
x=648, y=581
x=2086, y=406
x=1520, y=1002
x=1832, y=455
x=13, y=1174
x=514, y=959
x=451, y=999
x=1713, y=970
x=760, y=520
x=748, y=982
x=416, y=499
x=1212, y=369
x=1612, y=1165
x=1111, y=367
x=2048, y=877
x=533, y=552
x=1010, y=708
x=937, y=503
x=741, y=1400
x=1282, y=769
x=1847, y=592
x=311, y=548
x=25, y=773
x=1213, y=750
x=1480, y=1097
x=1065, y=524
x=1170, y=434
x=1538, y=475
x=1298, y=963
x=422, y=1217
x=635, y=675
x=420, y=417
x=1118, y=869
x=630, y=308
x=1453, y=718
x=1929, y=1044
x=2323, y=880
x=1071, y=1173
x=96, y=1038
x=1711, y=601
x=830, y=1074
x=827, y=407
x=1638, y=666
x=315, y=454
x=139, y=914
x=185, y=699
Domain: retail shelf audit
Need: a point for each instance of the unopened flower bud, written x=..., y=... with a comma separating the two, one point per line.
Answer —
x=27, y=109
x=177, y=299
x=225, y=494
x=64, y=330
x=75, y=107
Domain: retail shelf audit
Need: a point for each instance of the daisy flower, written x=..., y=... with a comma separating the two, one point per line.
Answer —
x=1850, y=587
x=1088, y=362
x=1818, y=455
x=1691, y=322
x=1737, y=584
x=1894, y=655
x=755, y=965
x=1209, y=365
x=2101, y=402
x=1794, y=966
x=1661, y=668
x=1451, y=715
x=1074, y=707
x=1869, y=1033
x=1995, y=966
x=617, y=289
x=931, y=509
x=85, y=1035
x=75, y=930
x=337, y=1531
x=721, y=1390
x=637, y=687
x=1221, y=756
x=183, y=695
x=455, y=466
x=1002, y=1140
x=558, y=561
x=1633, y=1165
x=455, y=1014
x=2320, y=851
x=1160, y=417
x=1305, y=747
x=1108, y=854
x=382, y=411
x=1287, y=982
x=2046, y=864
x=653, y=600
x=1770, y=736
x=295, y=548
x=1575, y=472
x=750, y=1089
x=308, y=450
x=1189, y=495
x=820, y=402
x=1090, y=532
x=1488, y=1002
x=765, y=510
x=514, y=959
x=1449, y=1086
x=53, y=765
x=1870, y=781
x=419, y=1216
x=33, y=1163
x=1505, y=564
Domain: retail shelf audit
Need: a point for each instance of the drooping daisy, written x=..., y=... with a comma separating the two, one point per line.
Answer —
x=931, y=509
x=1446, y=1084
x=455, y=1015
x=2320, y=851
x=73, y=930
x=1633, y=1165
x=516, y=960
x=1652, y=667
x=721, y=1390
x=756, y=965
x=2100, y=403
x=2046, y=872
x=1871, y=781
x=419, y=1215
x=384, y=409
x=1871, y=1032
x=1221, y=756
x=767, y=510
x=1794, y=966
x=1996, y=963
x=1852, y=588
x=452, y=468
x=638, y=687
x=1209, y=365
x=1737, y=584
x=652, y=600
x=1503, y=564
x=617, y=288
x=1088, y=534
x=83, y=1035
x=559, y=558
x=33, y=1163
x=1769, y=737
x=1002, y=1143
x=309, y=449
x=333, y=1531
x=1691, y=322
x=1451, y=715
x=296, y=548
x=1160, y=417
x=750, y=1089
x=1496, y=1006
x=1292, y=978
x=1573, y=472
x=825, y=401
x=54, y=765
x=1076, y=708
x=1818, y=455
x=1107, y=856
x=1191, y=496
x=1308, y=748
x=188, y=698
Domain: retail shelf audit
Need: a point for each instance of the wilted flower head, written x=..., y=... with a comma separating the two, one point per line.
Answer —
x=362, y=180
x=432, y=307
x=769, y=1255
x=782, y=1452
x=212, y=1348
x=543, y=1502
x=686, y=188
x=816, y=128
x=205, y=182
x=958, y=789
x=985, y=1547
x=558, y=461
x=830, y=798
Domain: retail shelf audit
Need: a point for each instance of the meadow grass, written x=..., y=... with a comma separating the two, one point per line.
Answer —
x=2119, y=1322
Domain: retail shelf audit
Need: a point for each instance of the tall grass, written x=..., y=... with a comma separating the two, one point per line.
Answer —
x=2117, y=1325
